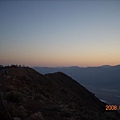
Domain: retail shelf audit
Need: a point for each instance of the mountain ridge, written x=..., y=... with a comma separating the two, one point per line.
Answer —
x=31, y=95
x=93, y=78
x=88, y=75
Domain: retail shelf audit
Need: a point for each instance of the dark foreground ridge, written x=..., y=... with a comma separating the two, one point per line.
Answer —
x=29, y=95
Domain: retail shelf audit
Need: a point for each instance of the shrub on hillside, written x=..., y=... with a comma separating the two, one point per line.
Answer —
x=36, y=116
x=14, y=96
x=10, y=88
x=17, y=111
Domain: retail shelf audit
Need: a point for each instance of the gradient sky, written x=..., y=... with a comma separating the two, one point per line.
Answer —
x=60, y=33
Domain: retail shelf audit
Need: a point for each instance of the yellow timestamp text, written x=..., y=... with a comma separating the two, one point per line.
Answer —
x=112, y=107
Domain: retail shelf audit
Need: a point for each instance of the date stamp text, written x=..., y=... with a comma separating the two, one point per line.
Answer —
x=112, y=107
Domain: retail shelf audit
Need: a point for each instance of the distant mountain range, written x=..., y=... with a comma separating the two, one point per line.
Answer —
x=104, y=76
x=104, y=81
x=29, y=95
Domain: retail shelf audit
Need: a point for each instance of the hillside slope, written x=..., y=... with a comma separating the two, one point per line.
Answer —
x=104, y=81
x=30, y=95
x=102, y=76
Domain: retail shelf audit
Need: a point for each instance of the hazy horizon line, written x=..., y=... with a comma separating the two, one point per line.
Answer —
x=106, y=65
x=45, y=66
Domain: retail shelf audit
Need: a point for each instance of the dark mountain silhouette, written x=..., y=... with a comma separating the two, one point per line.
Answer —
x=104, y=81
x=100, y=76
x=30, y=95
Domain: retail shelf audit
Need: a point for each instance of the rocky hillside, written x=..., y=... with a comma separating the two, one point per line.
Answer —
x=30, y=95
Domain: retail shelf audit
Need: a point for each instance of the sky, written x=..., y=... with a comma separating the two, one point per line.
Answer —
x=60, y=33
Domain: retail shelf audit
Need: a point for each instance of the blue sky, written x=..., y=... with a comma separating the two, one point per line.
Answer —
x=60, y=33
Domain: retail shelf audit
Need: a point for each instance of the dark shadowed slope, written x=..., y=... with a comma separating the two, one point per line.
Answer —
x=33, y=96
x=104, y=81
